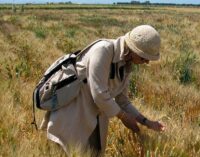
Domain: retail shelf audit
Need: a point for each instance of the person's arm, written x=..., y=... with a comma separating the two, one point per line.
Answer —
x=123, y=101
x=127, y=107
x=128, y=120
x=154, y=125
x=139, y=117
x=98, y=76
x=127, y=114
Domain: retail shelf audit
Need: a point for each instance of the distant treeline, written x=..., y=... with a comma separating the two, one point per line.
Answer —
x=154, y=4
x=69, y=5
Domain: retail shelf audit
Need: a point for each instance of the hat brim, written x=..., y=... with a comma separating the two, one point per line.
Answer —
x=139, y=52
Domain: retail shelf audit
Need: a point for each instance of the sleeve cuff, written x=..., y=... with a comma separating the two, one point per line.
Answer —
x=111, y=108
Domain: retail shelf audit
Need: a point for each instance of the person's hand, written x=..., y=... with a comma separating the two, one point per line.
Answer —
x=129, y=121
x=155, y=125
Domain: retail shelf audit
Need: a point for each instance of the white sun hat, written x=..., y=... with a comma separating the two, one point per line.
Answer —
x=144, y=40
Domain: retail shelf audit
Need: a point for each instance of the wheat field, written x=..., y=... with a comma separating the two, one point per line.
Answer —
x=167, y=90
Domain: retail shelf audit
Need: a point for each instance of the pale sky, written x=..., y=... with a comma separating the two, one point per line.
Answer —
x=101, y=1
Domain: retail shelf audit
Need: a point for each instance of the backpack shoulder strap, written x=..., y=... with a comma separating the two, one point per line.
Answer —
x=90, y=45
x=112, y=66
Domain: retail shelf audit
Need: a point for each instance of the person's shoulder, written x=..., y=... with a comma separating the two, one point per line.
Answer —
x=103, y=48
x=105, y=43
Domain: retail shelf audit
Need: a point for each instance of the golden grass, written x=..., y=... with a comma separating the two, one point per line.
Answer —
x=31, y=41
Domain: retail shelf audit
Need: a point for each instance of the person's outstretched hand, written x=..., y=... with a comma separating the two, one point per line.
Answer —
x=155, y=125
x=129, y=121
